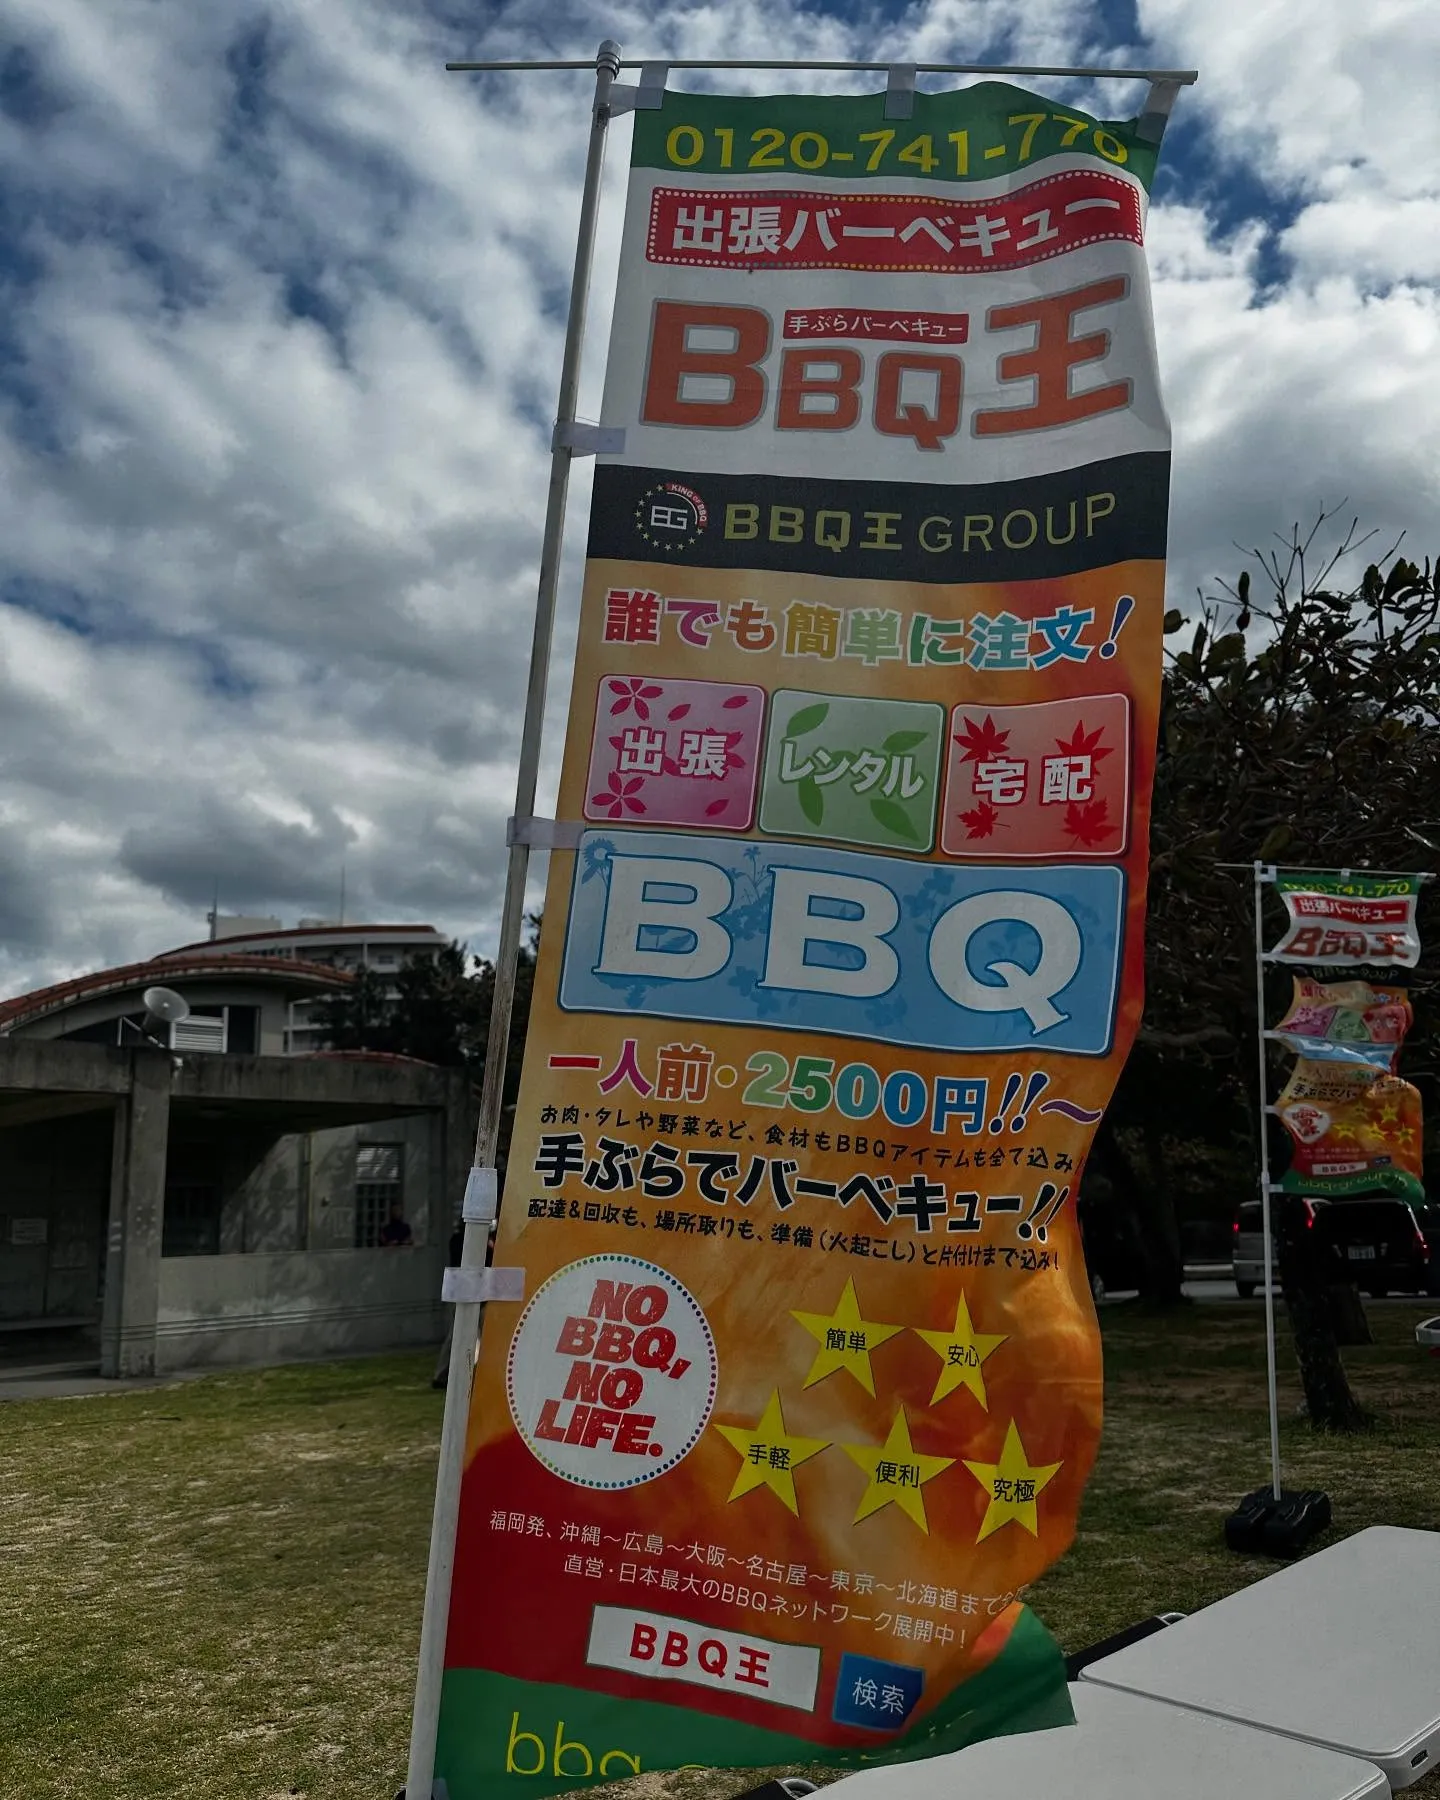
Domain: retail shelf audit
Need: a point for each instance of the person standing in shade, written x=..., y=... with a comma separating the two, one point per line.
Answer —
x=396, y=1229
x=452, y=1261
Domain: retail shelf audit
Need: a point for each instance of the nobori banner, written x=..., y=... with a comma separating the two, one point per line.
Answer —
x=837, y=982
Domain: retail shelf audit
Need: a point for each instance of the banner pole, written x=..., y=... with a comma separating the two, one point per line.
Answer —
x=1267, y=1235
x=419, y=1781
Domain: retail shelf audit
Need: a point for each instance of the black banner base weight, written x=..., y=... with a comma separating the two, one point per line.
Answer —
x=1262, y=1525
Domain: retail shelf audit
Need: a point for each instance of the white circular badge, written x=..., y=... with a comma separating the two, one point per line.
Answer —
x=612, y=1372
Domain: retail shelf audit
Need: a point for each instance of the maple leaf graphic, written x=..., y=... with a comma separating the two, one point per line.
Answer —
x=1084, y=743
x=1087, y=823
x=983, y=741
x=981, y=820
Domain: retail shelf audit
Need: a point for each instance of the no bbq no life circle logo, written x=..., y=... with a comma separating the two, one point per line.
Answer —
x=612, y=1371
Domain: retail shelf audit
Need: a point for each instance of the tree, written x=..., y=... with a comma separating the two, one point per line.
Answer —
x=1313, y=737
x=438, y=1011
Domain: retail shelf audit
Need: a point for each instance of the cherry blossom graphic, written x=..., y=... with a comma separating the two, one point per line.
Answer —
x=636, y=692
x=617, y=798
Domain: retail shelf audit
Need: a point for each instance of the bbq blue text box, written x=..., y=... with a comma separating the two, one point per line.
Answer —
x=799, y=937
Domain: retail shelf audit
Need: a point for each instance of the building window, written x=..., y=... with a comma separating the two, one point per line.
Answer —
x=380, y=1197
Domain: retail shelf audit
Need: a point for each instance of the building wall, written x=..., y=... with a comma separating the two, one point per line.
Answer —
x=267, y=1267
x=54, y=1194
x=289, y=1281
x=272, y=1307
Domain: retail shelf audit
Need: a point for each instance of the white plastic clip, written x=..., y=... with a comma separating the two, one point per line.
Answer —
x=482, y=1197
x=648, y=95
x=900, y=91
x=478, y=1285
x=544, y=834
x=1155, y=115
x=581, y=439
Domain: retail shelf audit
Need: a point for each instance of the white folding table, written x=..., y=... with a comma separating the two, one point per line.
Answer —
x=1341, y=1649
x=1124, y=1748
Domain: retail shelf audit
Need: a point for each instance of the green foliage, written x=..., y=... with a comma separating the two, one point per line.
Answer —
x=436, y=1008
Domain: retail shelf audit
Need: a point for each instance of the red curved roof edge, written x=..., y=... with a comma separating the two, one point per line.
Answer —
x=41, y=1001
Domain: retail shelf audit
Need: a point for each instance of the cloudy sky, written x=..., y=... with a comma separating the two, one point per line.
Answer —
x=279, y=342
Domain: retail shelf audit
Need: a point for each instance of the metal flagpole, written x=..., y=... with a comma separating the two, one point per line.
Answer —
x=419, y=1781
x=1181, y=77
x=1262, y=875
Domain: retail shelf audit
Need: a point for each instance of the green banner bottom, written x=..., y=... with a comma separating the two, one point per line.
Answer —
x=1396, y=1182
x=537, y=1738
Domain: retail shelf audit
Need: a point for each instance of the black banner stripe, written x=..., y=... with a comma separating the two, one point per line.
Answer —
x=1028, y=530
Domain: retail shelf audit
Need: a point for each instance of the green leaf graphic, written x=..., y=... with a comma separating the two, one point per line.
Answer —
x=812, y=801
x=895, y=818
x=903, y=740
x=807, y=719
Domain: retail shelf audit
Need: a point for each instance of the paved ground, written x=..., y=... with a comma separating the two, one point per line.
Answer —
x=73, y=1381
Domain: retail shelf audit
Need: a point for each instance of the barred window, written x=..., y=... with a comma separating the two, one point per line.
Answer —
x=379, y=1189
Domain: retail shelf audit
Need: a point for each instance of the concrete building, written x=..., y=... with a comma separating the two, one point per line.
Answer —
x=217, y=1196
x=322, y=943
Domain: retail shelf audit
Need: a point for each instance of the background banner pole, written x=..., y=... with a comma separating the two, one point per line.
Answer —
x=425, y=1717
x=1262, y=876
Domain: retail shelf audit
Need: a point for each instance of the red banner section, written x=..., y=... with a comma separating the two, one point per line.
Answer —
x=820, y=228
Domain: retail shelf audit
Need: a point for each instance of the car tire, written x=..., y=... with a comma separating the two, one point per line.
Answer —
x=1245, y=1289
x=1377, y=1293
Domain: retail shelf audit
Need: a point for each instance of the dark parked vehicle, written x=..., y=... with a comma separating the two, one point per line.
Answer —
x=1248, y=1258
x=1113, y=1257
x=1383, y=1244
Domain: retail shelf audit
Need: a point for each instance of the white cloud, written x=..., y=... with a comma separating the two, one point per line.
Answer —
x=282, y=348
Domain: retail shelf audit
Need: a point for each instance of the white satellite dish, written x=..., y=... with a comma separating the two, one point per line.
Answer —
x=165, y=1005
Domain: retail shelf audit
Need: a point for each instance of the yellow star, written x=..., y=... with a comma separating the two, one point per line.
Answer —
x=1012, y=1485
x=770, y=1454
x=845, y=1340
x=961, y=1353
x=897, y=1473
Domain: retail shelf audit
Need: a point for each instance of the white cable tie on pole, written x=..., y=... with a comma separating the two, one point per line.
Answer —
x=476, y=1286
x=1155, y=114
x=482, y=1197
x=646, y=95
x=581, y=439
x=900, y=91
x=545, y=834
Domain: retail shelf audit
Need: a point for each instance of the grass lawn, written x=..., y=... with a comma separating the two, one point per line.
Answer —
x=213, y=1590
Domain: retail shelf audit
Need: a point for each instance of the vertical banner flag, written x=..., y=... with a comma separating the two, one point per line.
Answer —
x=831, y=995
x=1345, y=920
x=1355, y=1127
